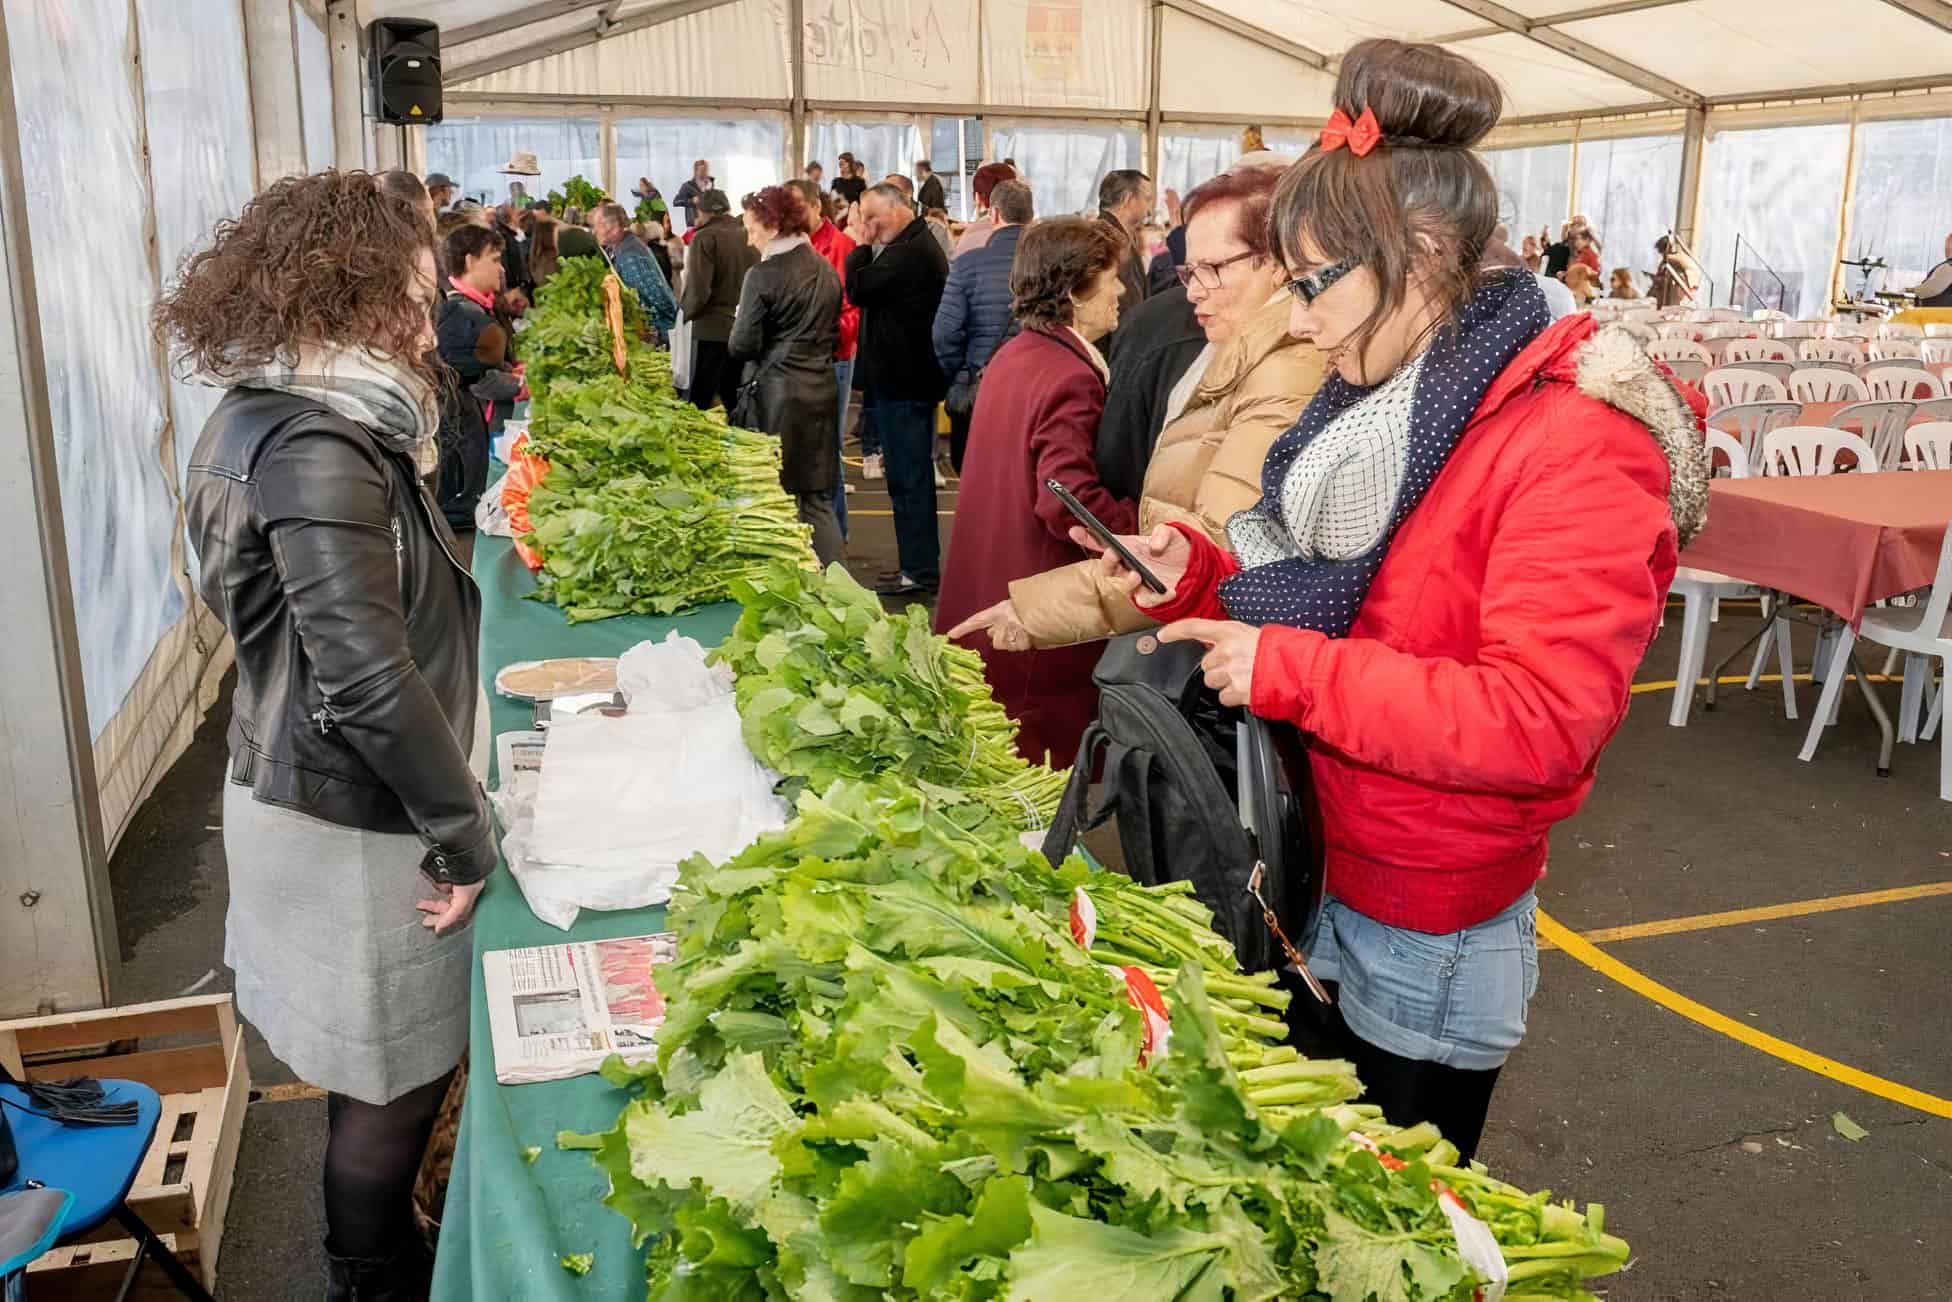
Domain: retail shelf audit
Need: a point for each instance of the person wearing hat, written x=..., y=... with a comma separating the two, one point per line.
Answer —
x=440, y=188
x=716, y=262
x=688, y=194
x=983, y=184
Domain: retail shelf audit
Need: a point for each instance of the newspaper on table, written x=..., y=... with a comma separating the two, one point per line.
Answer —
x=560, y=1010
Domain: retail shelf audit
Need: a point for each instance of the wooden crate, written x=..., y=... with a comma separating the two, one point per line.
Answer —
x=182, y=1189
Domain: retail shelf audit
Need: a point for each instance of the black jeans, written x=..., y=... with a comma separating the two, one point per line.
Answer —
x=714, y=375
x=959, y=437
x=907, y=438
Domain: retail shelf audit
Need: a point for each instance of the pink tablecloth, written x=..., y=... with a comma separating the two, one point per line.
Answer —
x=1841, y=541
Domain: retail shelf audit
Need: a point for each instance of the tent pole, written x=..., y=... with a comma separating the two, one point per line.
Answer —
x=277, y=105
x=1572, y=182
x=1687, y=203
x=1839, y=282
x=1152, y=113
x=57, y=916
x=349, y=137
x=796, y=124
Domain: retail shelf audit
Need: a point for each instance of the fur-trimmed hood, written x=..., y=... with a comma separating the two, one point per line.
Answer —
x=1608, y=365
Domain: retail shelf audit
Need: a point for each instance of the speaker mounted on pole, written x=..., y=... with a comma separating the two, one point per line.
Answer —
x=405, y=57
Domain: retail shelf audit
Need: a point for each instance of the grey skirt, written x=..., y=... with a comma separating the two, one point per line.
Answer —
x=333, y=966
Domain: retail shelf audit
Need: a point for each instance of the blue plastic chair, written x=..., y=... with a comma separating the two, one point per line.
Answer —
x=97, y=1165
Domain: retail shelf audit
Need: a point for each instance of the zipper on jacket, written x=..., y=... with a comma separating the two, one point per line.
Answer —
x=399, y=556
x=322, y=720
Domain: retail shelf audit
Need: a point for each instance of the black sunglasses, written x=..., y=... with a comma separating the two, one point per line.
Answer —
x=1312, y=286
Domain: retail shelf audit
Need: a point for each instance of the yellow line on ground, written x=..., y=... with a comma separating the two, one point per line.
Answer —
x=1762, y=913
x=288, y=1093
x=1633, y=979
x=1726, y=679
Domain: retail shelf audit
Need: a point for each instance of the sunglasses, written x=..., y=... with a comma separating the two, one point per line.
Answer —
x=1208, y=273
x=1312, y=286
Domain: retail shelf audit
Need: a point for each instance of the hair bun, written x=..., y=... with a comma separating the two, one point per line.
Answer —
x=1422, y=95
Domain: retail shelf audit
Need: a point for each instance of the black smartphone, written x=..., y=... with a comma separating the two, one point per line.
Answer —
x=1104, y=535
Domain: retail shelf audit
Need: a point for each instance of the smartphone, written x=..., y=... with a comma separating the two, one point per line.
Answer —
x=1104, y=535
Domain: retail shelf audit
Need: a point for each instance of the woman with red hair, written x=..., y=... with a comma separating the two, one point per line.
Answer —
x=786, y=331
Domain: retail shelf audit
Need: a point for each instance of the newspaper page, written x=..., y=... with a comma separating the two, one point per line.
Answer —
x=560, y=1010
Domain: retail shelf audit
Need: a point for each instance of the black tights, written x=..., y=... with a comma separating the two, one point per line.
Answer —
x=372, y=1156
x=1409, y=1091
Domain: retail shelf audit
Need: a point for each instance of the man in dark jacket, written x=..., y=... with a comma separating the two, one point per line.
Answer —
x=1151, y=351
x=716, y=262
x=1164, y=271
x=1124, y=202
x=975, y=314
x=930, y=194
x=694, y=188
x=896, y=279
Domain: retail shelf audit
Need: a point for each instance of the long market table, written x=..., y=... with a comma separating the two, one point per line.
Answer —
x=508, y=1222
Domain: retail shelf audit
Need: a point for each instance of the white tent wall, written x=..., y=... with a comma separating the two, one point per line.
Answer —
x=1206, y=70
x=315, y=87
x=1534, y=187
x=1626, y=188
x=882, y=146
x=744, y=153
x=473, y=152
x=1065, y=162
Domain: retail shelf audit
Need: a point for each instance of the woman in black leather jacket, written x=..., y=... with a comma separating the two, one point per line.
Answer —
x=355, y=829
x=786, y=332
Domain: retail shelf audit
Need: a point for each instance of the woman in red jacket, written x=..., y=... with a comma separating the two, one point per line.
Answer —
x=1457, y=563
x=1036, y=419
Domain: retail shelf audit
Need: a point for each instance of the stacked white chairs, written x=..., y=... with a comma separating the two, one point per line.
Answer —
x=1732, y=386
x=1816, y=384
x=1701, y=592
x=1677, y=330
x=1924, y=633
x=1688, y=369
x=1747, y=422
x=1639, y=330
x=1644, y=315
x=1934, y=409
x=1928, y=445
x=1900, y=330
x=1882, y=425
x=1902, y=383
x=1912, y=363
x=1797, y=329
x=1936, y=352
x=1758, y=350
x=1813, y=450
x=1830, y=350
x=1884, y=350
x=1678, y=350
x=1939, y=330
x=1780, y=370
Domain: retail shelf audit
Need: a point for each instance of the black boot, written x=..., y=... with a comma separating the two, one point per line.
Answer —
x=404, y=1277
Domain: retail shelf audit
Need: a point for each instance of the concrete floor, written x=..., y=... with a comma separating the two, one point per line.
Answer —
x=1717, y=1162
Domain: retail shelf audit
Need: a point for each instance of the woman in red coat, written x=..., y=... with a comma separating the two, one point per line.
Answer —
x=1457, y=562
x=1036, y=419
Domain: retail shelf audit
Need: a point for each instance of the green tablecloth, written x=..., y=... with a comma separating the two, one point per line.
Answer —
x=507, y=1223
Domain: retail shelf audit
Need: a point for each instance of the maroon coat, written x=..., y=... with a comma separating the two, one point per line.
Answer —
x=1036, y=418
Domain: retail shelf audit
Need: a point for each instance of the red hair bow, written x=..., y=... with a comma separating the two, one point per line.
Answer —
x=1361, y=136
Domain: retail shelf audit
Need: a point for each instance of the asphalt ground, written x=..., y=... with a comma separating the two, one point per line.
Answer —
x=1719, y=1162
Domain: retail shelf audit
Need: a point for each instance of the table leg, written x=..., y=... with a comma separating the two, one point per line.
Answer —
x=1878, y=712
x=1714, y=675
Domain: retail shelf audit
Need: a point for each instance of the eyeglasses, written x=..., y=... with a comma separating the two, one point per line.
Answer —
x=1312, y=286
x=1208, y=273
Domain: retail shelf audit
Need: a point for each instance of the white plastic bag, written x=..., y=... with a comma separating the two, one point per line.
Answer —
x=489, y=517
x=681, y=353
x=622, y=801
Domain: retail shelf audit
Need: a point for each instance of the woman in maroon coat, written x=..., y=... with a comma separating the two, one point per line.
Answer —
x=1036, y=419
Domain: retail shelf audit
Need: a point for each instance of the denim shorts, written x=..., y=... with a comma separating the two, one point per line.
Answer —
x=1458, y=999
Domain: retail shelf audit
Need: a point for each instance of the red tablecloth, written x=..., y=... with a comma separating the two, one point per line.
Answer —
x=1841, y=541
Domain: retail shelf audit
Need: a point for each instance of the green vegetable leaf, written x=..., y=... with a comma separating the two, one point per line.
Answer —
x=1069, y=1257
x=725, y=1144
x=1355, y=1265
x=1849, y=1129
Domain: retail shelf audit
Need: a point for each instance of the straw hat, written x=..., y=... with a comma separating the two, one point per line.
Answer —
x=521, y=164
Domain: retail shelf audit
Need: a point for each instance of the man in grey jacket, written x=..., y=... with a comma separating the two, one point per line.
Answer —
x=974, y=317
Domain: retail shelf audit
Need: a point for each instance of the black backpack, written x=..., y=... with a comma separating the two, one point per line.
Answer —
x=1172, y=775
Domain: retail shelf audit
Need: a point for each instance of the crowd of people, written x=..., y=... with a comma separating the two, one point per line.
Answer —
x=1403, y=506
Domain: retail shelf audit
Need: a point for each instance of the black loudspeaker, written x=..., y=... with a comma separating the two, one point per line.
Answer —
x=405, y=54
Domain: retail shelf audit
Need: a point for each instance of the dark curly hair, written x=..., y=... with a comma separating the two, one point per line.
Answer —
x=469, y=240
x=779, y=206
x=330, y=258
x=1056, y=260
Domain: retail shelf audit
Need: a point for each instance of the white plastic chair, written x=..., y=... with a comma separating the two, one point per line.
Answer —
x=1899, y=330
x=1814, y=384
x=1924, y=633
x=1813, y=450
x=1928, y=445
x=1885, y=350
x=1757, y=350
x=1830, y=350
x=1933, y=409
x=1701, y=592
x=1902, y=383
x=1688, y=370
x=1936, y=352
x=1677, y=330
x=1750, y=421
x=1678, y=350
x=1797, y=329
x=1881, y=423
x=1888, y=363
x=1640, y=330
x=1732, y=386
x=1939, y=330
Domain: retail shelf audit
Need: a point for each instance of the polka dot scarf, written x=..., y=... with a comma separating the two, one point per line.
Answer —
x=1458, y=368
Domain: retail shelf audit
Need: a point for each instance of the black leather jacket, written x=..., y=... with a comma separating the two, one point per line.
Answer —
x=356, y=627
x=786, y=332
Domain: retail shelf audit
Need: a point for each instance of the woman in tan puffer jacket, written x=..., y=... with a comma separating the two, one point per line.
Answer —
x=1239, y=395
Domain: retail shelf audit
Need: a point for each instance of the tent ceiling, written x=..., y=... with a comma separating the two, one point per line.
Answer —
x=1555, y=57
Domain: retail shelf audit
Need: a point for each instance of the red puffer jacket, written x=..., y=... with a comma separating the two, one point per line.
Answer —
x=1465, y=712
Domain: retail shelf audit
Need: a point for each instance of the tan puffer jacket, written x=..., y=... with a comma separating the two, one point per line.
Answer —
x=1207, y=466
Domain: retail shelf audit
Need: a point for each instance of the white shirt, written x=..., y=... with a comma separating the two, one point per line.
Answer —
x=1558, y=296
